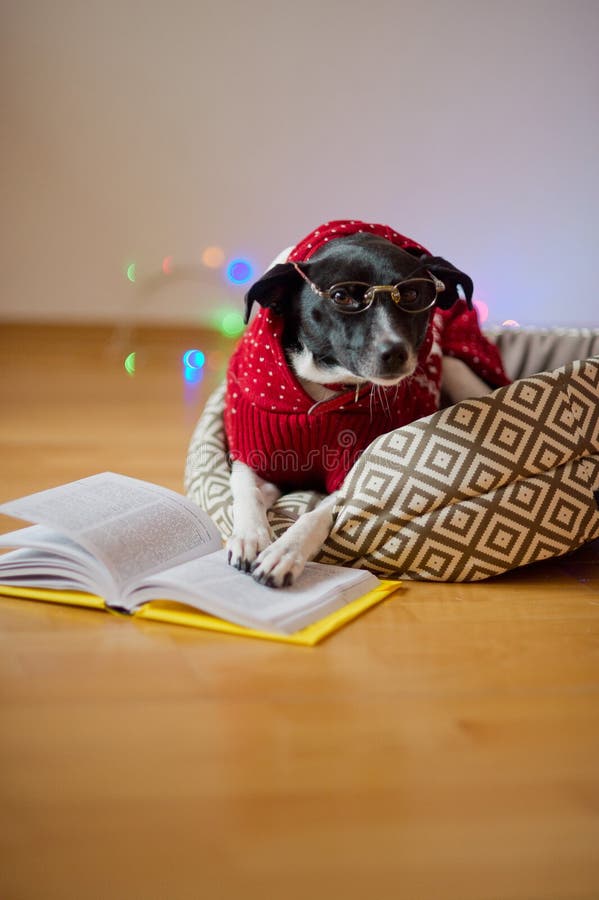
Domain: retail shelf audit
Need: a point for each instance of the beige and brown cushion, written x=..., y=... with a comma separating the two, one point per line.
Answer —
x=469, y=492
x=526, y=351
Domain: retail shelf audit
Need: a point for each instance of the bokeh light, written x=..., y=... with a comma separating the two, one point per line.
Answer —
x=239, y=271
x=130, y=364
x=193, y=374
x=482, y=310
x=230, y=323
x=194, y=359
x=131, y=273
x=193, y=366
x=167, y=265
x=213, y=257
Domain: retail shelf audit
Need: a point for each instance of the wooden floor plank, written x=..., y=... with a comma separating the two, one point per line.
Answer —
x=444, y=745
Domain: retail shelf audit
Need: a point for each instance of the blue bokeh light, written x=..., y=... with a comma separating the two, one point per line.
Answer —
x=193, y=366
x=193, y=359
x=192, y=375
x=239, y=271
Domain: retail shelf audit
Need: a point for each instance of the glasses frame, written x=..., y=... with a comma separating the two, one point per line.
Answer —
x=372, y=291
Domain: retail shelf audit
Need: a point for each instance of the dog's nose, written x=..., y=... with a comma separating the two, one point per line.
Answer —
x=393, y=354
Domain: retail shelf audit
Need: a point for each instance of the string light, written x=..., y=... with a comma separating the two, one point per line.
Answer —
x=192, y=374
x=193, y=366
x=239, y=271
x=130, y=364
x=482, y=310
x=194, y=359
x=230, y=323
x=213, y=257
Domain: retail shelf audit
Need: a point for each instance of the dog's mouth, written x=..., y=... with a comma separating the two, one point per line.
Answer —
x=384, y=373
x=389, y=382
x=347, y=376
x=327, y=369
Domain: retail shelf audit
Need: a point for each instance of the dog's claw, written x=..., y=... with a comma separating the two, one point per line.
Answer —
x=243, y=549
x=279, y=565
x=260, y=576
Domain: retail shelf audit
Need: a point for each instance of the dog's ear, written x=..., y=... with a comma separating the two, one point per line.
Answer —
x=272, y=289
x=452, y=278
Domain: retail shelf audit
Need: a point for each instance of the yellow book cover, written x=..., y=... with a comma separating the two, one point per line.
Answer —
x=121, y=545
x=175, y=613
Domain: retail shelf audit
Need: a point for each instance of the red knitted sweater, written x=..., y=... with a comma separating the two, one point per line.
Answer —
x=278, y=430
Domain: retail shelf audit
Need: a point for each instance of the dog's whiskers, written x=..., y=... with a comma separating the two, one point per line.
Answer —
x=371, y=399
x=382, y=392
x=386, y=400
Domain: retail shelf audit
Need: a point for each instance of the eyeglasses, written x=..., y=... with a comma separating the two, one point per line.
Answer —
x=414, y=295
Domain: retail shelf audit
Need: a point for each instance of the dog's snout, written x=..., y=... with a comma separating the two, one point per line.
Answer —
x=393, y=354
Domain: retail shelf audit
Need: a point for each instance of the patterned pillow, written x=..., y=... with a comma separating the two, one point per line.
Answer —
x=472, y=491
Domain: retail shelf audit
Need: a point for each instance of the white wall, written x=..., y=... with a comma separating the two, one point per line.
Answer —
x=137, y=130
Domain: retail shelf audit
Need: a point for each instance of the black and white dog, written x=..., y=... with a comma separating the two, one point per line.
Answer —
x=344, y=343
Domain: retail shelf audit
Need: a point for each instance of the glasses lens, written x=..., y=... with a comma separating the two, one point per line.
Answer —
x=416, y=295
x=349, y=296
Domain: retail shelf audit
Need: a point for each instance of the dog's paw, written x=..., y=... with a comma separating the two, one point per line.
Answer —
x=279, y=565
x=243, y=547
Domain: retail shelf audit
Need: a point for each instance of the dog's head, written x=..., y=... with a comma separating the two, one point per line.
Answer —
x=359, y=308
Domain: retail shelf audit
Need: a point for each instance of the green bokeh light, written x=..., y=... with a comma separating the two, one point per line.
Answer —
x=130, y=364
x=231, y=323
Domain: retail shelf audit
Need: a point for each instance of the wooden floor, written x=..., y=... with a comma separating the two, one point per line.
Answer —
x=445, y=745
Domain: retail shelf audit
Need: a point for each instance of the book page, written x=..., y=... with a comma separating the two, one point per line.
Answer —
x=38, y=569
x=38, y=536
x=213, y=586
x=131, y=526
x=47, y=558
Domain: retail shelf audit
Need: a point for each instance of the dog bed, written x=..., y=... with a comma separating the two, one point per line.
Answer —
x=474, y=490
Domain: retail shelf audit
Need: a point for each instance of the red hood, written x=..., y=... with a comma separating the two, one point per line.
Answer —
x=341, y=228
x=268, y=412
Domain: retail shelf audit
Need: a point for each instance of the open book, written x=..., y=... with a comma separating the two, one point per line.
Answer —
x=116, y=543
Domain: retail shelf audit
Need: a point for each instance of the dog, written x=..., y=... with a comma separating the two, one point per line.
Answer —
x=359, y=331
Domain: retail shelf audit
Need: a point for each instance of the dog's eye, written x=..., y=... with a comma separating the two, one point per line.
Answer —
x=409, y=295
x=344, y=299
x=349, y=297
x=416, y=295
x=341, y=296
